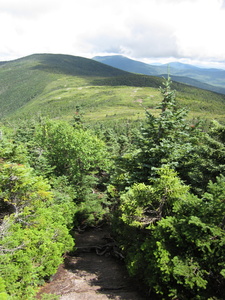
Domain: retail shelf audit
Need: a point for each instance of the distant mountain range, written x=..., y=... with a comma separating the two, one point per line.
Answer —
x=209, y=79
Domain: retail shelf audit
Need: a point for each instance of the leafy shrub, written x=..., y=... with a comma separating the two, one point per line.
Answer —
x=81, y=157
x=34, y=233
x=3, y=294
x=179, y=247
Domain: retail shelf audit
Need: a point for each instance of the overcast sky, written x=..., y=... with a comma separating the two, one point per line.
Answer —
x=146, y=30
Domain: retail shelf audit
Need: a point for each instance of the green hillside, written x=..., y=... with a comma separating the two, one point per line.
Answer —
x=54, y=85
x=24, y=80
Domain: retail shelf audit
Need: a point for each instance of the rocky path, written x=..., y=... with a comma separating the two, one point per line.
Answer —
x=92, y=272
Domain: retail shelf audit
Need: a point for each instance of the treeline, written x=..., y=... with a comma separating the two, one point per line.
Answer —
x=159, y=182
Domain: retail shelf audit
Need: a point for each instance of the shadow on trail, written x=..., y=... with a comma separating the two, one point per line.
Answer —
x=105, y=273
x=91, y=273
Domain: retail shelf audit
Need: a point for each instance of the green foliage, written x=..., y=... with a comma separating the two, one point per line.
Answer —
x=64, y=195
x=164, y=139
x=18, y=186
x=198, y=156
x=81, y=157
x=15, y=152
x=206, y=158
x=145, y=204
x=3, y=294
x=71, y=152
x=180, y=253
x=50, y=297
x=174, y=240
x=39, y=212
x=62, y=151
x=34, y=235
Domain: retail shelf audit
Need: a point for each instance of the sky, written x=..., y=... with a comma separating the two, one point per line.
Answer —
x=189, y=31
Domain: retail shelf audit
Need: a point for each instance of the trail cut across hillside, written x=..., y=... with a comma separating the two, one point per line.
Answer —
x=95, y=271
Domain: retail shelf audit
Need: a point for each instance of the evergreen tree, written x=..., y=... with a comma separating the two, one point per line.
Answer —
x=175, y=241
x=163, y=139
x=206, y=159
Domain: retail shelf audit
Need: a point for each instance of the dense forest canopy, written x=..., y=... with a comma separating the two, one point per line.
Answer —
x=158, y=182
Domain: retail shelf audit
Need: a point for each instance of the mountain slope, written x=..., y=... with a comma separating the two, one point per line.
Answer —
x=195, y=83
x=55, y=85
x=24, y=79
x=210, y=79
x=72, y=65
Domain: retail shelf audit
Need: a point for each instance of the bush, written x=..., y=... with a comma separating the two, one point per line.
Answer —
x=34, y=232
x=179, y=246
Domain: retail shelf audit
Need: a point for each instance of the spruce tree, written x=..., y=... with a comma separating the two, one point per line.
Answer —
x=163, y=140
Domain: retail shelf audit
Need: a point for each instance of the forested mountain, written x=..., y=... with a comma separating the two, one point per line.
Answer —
x=55, y=85
x=83, y=144
x=131, y=65
x=209, y=79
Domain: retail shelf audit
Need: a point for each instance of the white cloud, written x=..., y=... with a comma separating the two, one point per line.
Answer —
x=142, y=29
x=200, y=33
x=27, y=8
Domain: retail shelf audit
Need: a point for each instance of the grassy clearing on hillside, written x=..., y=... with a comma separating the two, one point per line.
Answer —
x=60, y=98
x=101, y=103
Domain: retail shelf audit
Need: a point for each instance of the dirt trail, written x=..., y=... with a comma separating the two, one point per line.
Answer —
x=88, y=276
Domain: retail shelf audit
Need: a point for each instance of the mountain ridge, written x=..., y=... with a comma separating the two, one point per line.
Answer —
x=208, y=78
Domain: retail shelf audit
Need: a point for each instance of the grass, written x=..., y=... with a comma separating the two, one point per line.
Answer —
x=97, y=102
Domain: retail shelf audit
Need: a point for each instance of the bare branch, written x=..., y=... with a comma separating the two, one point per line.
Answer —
x=4, y=250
